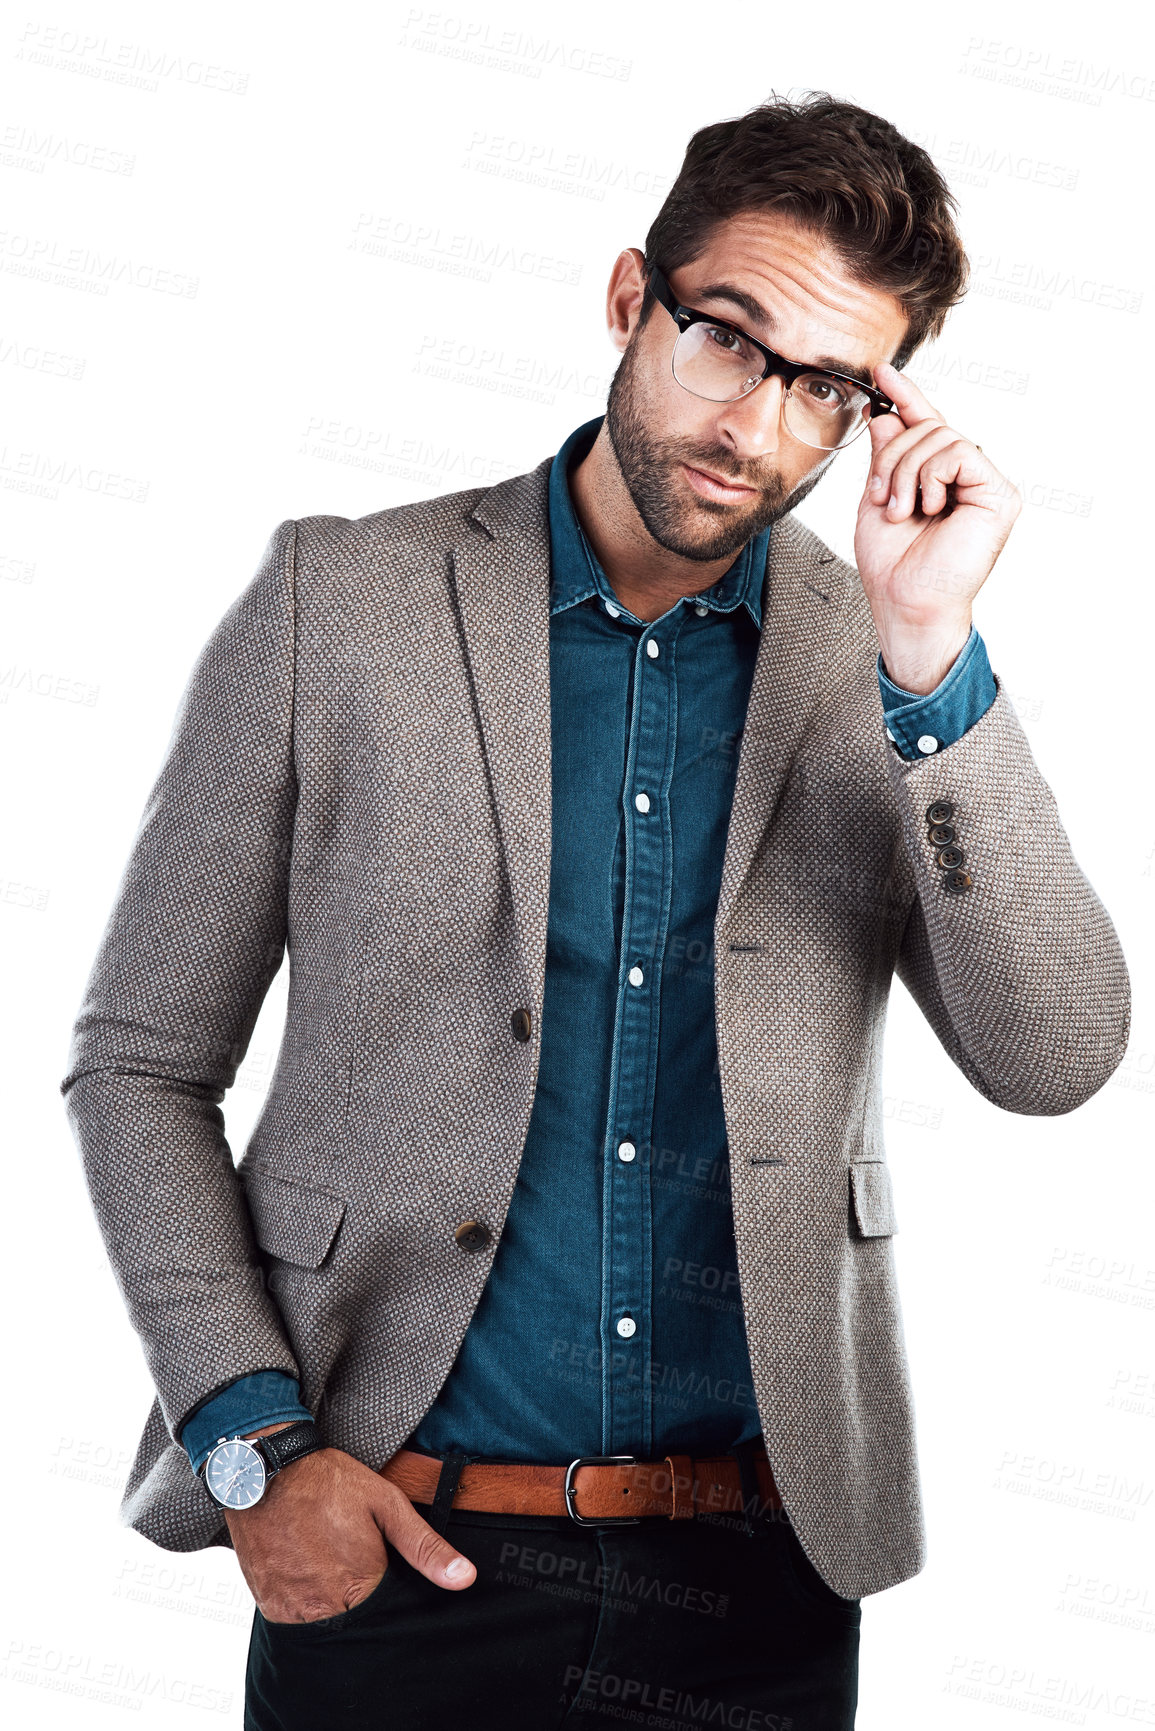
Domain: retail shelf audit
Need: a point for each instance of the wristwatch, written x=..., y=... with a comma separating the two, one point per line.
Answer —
x=237, y=1472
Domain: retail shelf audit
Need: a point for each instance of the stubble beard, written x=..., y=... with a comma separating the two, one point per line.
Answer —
x=683, y=523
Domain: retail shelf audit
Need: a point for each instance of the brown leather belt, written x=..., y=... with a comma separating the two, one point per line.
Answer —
x=593, y=1487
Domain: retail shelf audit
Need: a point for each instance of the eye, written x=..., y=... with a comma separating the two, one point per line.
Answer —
x=732, y=343
x=722, y=338
x=824, y=391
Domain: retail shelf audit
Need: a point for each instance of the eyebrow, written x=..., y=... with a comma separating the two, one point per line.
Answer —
x=757, y=314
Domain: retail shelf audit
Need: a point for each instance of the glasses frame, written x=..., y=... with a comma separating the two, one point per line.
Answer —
x=776, y=365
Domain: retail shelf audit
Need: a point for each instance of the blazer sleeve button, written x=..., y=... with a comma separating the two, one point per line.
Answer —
x=949, y=857
x=472, y=1235
x=957, y=882
x=940, y=812
x=522, y=1024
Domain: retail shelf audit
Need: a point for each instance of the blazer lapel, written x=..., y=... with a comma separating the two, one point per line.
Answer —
x=801, y=616
x=501, y=572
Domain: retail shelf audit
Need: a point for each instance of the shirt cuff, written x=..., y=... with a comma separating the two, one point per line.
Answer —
x=920, y=726
x=266, y=1397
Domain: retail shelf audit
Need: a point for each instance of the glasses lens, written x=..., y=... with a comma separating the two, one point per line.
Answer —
x=715, y=362
x=718, y=363
x=824, y=411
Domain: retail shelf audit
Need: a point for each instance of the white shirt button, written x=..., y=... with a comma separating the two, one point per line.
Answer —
x=626, y=1151
x=927, y=743
x=891, y=737
x=635, y=976
x=626, y=1327
x=612, y=610
x=642, y=801
x=701, y=611
x=652, y=650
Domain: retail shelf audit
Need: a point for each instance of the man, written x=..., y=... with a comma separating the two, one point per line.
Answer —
x=596, y=811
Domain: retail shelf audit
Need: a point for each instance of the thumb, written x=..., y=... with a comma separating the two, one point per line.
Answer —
x=420, y=1545
x=882, y=429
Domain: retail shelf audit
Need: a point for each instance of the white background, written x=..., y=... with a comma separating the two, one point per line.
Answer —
x=152, y=438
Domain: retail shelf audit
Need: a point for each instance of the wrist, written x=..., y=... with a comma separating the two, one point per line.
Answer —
x=917, y=659
x=238, y=1470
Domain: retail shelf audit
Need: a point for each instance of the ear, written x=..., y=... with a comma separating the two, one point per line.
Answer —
x=624, y=297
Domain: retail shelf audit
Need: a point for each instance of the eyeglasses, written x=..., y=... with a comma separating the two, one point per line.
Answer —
x=717, y=361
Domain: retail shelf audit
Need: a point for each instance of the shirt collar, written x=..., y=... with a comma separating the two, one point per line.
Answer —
x=577, y=574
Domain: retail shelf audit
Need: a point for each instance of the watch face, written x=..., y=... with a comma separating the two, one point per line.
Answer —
x=235, y=1474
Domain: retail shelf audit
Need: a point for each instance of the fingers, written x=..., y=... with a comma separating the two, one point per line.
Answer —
x=311, y=1600
x=924, y=465
x=955, y=463
x=430, y=1554
x=891, y=441
x=915, y=457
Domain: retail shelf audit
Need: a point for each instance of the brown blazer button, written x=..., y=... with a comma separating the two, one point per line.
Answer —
x=522, y=1024
x=941, y=834
x=940, y=812
x=958, y=881
x=472, y=1235
x=949, y=857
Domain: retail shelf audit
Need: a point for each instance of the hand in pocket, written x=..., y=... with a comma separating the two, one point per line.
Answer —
x=317, y=1543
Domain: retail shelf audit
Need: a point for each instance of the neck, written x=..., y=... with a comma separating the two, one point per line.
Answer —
x=646, y=578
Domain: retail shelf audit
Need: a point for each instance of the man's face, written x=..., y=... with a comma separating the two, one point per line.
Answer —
x=662, y=435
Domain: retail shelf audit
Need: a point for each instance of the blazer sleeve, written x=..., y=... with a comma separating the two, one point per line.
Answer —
x=1019, y=970
x=196, y=934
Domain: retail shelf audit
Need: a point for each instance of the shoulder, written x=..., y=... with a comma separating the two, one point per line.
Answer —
x=328, y=542
x=406, y=544
x=390, y=558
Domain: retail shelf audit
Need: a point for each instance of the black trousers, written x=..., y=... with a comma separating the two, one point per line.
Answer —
x=670, y=1624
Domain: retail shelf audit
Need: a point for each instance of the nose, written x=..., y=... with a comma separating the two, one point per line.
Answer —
x=752, y=425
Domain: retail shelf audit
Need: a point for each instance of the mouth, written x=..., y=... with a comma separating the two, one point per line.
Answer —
x=713, y=487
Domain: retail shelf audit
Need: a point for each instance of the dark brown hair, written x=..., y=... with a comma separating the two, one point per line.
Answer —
x=835, y=169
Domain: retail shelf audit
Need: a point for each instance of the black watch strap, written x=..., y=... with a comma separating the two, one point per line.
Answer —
x=281, y=1447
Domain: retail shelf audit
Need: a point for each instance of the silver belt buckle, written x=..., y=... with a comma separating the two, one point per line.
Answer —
x=570, y=1491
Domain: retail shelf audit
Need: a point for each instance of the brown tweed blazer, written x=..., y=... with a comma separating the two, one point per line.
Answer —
x=359, y=772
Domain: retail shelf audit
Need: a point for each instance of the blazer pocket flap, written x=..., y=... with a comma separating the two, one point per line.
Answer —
x=872, y=1198
x=293, y=1221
